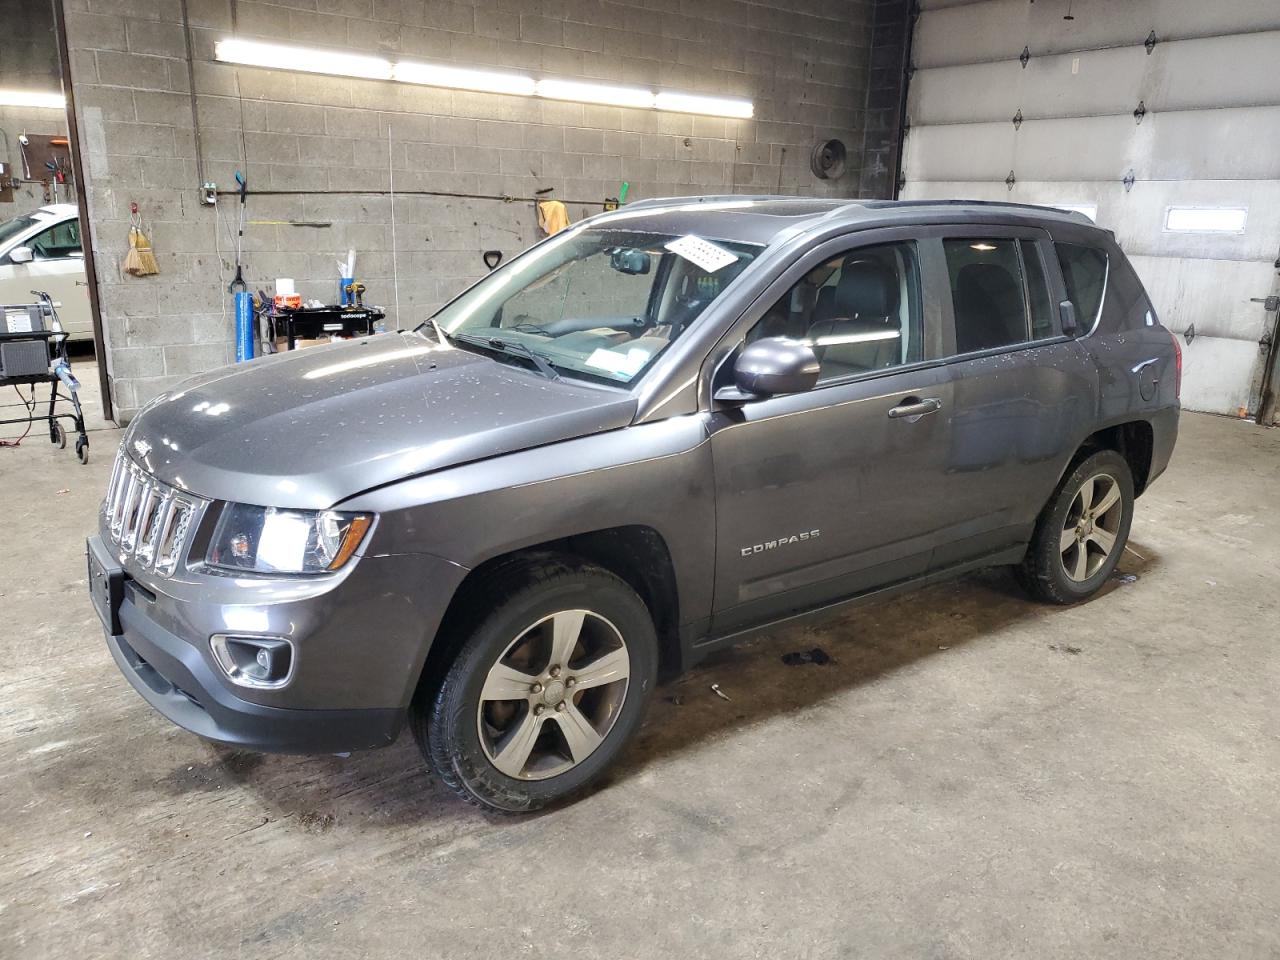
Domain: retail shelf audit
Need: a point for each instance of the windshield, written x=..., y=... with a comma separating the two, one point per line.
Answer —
x=596, y=304
x=11, y=228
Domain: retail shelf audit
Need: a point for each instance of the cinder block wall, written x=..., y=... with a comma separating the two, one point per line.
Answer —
x=346, y=144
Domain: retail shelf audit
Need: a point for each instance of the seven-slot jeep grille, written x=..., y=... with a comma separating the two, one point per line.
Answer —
x=147, y=519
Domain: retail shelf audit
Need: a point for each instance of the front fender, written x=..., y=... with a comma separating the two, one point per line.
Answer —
x=657, y=475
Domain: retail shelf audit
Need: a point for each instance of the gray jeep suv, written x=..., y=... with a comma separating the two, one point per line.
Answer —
x=652, y=434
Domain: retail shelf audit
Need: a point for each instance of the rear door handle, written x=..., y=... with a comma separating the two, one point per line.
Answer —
x=913, y=408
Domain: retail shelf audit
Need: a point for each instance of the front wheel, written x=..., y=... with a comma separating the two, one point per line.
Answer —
x=547, y=689
x=1082, y=532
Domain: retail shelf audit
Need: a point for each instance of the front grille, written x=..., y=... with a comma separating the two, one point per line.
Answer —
x=147, y=519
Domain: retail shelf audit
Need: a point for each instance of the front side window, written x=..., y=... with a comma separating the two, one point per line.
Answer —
x=58, y=242
x=596, y=304
x=12, y=228
x=860, y=311
x=1084, y=271
x=998, y=291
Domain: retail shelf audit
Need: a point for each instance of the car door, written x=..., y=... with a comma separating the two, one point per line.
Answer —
x=827, y=493
x=1023, y=393
x=57, y=268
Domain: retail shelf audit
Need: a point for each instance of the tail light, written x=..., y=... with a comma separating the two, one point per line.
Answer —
x=1177, y=366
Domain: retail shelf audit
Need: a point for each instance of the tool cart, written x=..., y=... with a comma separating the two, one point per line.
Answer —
x=33, y=351
x=288, y=326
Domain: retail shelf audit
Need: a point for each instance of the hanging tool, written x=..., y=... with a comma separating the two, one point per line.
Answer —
x=238, y=287
x=140, y=261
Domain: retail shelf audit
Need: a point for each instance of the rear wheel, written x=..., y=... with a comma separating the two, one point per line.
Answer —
x=546, y=690
x=1082, y=532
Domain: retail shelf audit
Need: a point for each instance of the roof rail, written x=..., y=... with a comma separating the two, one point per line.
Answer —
x=729, y=197
x=995, y=204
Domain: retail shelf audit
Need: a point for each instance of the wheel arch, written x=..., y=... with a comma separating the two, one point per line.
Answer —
x=637, y=554
x=1132, y=439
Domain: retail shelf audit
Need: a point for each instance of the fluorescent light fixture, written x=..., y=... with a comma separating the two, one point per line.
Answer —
x=1205, y=219
x=32, y=98
x=595, y=93
x=461, y=78
x=280, y=56
x=254, y=54
x=982, y=247
x=712, y=106
x=1090, y=210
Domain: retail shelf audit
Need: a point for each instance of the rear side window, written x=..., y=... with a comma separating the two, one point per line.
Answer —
x=1084, y=271
x=999, y=293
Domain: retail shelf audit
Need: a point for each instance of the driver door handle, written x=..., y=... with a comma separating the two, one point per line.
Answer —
x=913, y=408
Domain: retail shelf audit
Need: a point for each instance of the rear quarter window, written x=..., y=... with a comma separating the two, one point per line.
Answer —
x=1126, y=305
x=1084, y=271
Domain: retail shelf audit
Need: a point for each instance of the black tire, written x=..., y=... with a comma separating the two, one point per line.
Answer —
x=1044, y=569
x=58, y=435
x=515, y=597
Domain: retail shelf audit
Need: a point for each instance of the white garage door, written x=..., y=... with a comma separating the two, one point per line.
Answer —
x=1200, y=217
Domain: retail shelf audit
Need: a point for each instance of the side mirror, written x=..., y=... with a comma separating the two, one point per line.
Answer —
x=1067, y=311
x=21, y=255
x=772, y=366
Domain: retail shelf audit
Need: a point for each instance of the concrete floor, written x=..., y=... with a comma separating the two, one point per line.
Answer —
x=975, y=776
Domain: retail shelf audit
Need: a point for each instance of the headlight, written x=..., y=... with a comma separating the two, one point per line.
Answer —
x=271, y=540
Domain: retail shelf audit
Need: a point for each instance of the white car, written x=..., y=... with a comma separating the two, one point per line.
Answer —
x=41, y=250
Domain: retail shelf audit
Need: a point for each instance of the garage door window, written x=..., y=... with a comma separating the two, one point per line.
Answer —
x=999, y=293
x=1084, y=270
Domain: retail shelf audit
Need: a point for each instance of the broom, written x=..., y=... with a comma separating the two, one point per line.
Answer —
x=140, y=261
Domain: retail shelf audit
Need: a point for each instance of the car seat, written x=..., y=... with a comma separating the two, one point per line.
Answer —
x=989, y=308
x=863, y=301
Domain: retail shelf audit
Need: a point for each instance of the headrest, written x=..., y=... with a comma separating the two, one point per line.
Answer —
x=988, y=281
x=866, y=288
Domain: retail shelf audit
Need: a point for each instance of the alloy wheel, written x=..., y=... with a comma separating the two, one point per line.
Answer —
x=1089, y=532
x=553, y=695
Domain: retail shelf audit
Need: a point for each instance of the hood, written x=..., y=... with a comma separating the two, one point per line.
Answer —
x=309, y=428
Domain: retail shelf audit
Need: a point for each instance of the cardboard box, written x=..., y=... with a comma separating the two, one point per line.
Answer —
x=282, y=343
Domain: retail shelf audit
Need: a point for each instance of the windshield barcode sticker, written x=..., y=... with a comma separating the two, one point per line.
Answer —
x=702, y=253
x=615, y=361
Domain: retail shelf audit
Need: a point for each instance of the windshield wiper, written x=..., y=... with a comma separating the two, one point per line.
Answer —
x=518, y=349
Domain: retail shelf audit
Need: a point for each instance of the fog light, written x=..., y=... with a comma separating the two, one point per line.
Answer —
x=254, y=661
